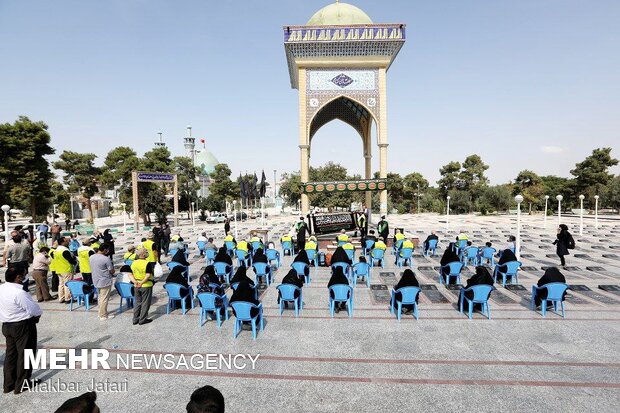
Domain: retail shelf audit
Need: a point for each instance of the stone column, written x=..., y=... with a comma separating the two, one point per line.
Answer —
x=382, y=136
x=304, y=143
x=305, y=169
x=368, y=165
x=383, y=174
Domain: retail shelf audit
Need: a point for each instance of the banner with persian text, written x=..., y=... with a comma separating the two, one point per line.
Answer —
x=345, y=186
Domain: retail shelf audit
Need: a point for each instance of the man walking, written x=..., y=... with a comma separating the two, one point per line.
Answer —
x=102, y=271
x=19, y=315
x=56, y=229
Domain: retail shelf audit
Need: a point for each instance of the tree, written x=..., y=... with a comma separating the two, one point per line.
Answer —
x=188, y=184
x=460, y=202
x=556, y=185
x=331, y=172
x=414, y=185
x=472, y=177
x=530, y=185
x=450, y=178
x=80, y=175
x=611, y=197
x=116, y=172
x=290, y=188
x=222, y=188
x=496, y=198
x=25, y=175
x=592, y=174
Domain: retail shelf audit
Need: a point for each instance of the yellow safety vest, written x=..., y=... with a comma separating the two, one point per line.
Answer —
x=310, y=245
x=53, y=262
x=242, y=245
x=61, y=265
x=348, y=246
x=83, y=253
x=129, y=256
x=138, y=268
x=343, y=237
x=380, y=245
x=399, y=236
x=229, y=238
x=148, y=245
x=286, y=238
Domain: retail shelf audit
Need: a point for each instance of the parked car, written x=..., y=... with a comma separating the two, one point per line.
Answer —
x=216, y=219
x=241, y=215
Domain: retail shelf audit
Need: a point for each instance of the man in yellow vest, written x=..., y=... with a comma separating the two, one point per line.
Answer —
x=83, y=254
x=349, y=247
x=254, y=239
x=342, y=238
x=64, y=264
x=151, y=248
x=142, y=275
x=380, y=244
x=130, y=255
x=405, y=245
x=287, y=238
x=311, y=244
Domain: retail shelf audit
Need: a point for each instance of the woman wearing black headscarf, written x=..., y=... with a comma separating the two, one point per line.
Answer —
x=563, y=243
x=241, y=277
x=407, y=280
x=259, y=256
x=302, y=256
x=176, y=277
x=338, y=277
x=448, y=256
x=222, y=256
x=482, y=276
x=505, y=256
x=552, y=275
x=292, y=278
x=340, y=255
x=245, y=292
x=179, y=257
x=209, y=277
x=109, y=239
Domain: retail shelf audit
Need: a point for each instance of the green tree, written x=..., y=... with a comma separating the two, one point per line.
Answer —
x=80, y=175
x=450, y=178
x=472, y=177
x=331, y=172
x=116, y=172
x=592, y=174
x=460, y=203
x=290, y=188
x=556, y=185
x=187, y=175
x=25, y=175
x=530, y=185
x=611, y=197
x=414, y=185
x=222, y=188
x=496, y=198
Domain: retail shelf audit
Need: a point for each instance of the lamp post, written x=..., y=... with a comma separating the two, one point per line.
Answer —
x=581, y=198
x=559, y=198
x=545, y=219
x=448, y=213
x=596, y=211
x=54, y=212
x=275, y=187
x=6, y=209
x=235, y=215
x=124, y=217
x=518, y=200
x=299, y=205
x=193, y=214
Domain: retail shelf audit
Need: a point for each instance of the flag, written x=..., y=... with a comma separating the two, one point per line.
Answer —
x=263, y=185
x=255, y=188
x=242, y=193
x=202, y=141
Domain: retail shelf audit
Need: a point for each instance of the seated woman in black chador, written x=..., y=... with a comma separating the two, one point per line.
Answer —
x=449, y=256
x=222, y=256
x=291, y=278
x=302, y=256
x=407, y=280
x=340, y=255
x=259, y=256
x=176, y=276
x=552, y=275
x=179, y=257
x=241, y=277
x=482, y=276
x=505, y=256
x=338, y=277
x=245, y=292
x=209, y=277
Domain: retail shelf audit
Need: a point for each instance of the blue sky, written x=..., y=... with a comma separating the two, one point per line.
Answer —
x=526, y=84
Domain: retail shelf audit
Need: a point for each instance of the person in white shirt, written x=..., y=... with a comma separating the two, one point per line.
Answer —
x=19, y=315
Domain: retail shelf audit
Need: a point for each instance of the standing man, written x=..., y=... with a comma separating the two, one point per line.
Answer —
x=19, y=315
x=83, y=256
x=67, y=224
x=64, y=264
x=40, y=267
x=362, y=224
x=301, y=229
x=151, y=247
x=383, y=228
x=142, y=277
x=165, y=237
x=102, y=272
x=226, y=226
x=17, y=252
x=42, y=230
x=55, y=231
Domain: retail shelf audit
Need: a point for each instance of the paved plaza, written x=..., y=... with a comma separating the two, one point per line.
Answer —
x=516, y=361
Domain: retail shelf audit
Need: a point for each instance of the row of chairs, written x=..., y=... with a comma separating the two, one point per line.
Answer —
x=509, y=275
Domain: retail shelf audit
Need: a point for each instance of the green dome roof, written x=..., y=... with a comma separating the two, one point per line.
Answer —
x=339, y=14
x=205, y=160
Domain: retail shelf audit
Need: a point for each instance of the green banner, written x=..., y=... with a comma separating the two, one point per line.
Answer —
x=345, y=186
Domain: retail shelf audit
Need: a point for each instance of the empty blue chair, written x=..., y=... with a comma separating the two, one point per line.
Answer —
x=243, y=258
x=486, y=254
x=454, y=270
x=555, y=294
x=223, y=270
x=212, y=303
x=481, y=296
x=124, y=291
x=288, y=246
x=262, y=270
x=312, y=257
x=470, y=254
x=176, y=292
x=377, y=255
x=405, y=257
x=210, y=255
x=350, y=254
x=201, y=246
x=230, y=247
x=77, y=293
x=300, y=267
x=367, y=247
x=273, y=255
x=342, y=294
x=243, y=313
x=511, y=272
x=173, y=264
x=409, y=296
x=287, y=293
x=432, y=247
x=361, y=269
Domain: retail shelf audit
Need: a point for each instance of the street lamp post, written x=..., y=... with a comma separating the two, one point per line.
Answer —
x=581, y=198
x=545, y=219
x=193, y=214
x=275, y=187
x=124, y=217
x=6, y=209
x=518, y=200
x=235, y=215
x=559, y=198
x=448, y=213
x=596, y=211
x=54, y=213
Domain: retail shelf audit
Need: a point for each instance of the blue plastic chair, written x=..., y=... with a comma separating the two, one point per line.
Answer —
x=512, y=272
x=273, y=255
x=263, y=270
x=481, y=296
x=209, y=304
x=470, y=254
x=128, y=262
x=210, y=255
x=341, y=243
x=460, y=245
x=176, y=292
x=361, y=269
x=173, y=264
x=486, y=254
x=76, y=288
x=454, y=271
x=397, y=245
x=409, y=296
x=201, y=245
x=300, y=267
x=223, y=270
x=377, y=255
x=172, y=252
x=368, y=245
x=243, y=258
x=230, y=247
x=555, y=294
x=350, y=254
x=405, y=256
x=287, y=293
x=124, y=291
x=346, y=268
x=312, y=257
x=342, y=294
x=243, y=313
x=256, y=245
x=432, y=246
x=288, y=246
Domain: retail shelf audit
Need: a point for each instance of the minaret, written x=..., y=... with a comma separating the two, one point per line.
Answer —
x=190, y=145
x=160, y=143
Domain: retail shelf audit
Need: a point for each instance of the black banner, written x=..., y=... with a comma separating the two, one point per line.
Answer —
x=331, y=223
